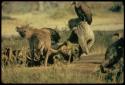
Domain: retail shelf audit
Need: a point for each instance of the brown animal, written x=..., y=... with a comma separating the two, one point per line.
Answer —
x=70, y=51
x=39, y=42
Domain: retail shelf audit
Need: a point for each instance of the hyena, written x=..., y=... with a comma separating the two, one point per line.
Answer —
x=39, y=42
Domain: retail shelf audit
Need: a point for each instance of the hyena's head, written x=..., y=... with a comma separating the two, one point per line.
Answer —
x=24, y=31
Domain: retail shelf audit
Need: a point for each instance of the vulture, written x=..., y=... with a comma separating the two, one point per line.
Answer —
x=113, y=55
x=83, y=12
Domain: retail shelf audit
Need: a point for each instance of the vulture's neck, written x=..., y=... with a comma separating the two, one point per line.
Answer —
x=77, y=5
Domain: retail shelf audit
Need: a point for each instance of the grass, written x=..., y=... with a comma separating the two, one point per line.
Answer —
x=14, y=42
x=104, y=24
x=58, y=18
x=55, y=73
x=42, y=75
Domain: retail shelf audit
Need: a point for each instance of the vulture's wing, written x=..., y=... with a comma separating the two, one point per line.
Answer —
x=87, y=13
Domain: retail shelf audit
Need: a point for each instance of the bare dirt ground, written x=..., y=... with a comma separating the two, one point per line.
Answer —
x=88, y=63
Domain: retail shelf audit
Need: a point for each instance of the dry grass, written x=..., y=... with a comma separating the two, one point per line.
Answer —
x=79, y=72
x=52, y=74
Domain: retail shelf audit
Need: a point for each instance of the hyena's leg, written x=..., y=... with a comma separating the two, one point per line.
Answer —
x=49, y=52
x=32, y=53
x=70, y=55
x=41, y=50
x=46, y=58
x=36, y=55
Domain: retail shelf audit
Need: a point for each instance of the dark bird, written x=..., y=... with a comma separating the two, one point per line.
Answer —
x=113, y=54
x=83, y=12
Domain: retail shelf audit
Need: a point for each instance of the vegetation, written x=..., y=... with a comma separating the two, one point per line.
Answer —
x=57, y=73
x=56, y=16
